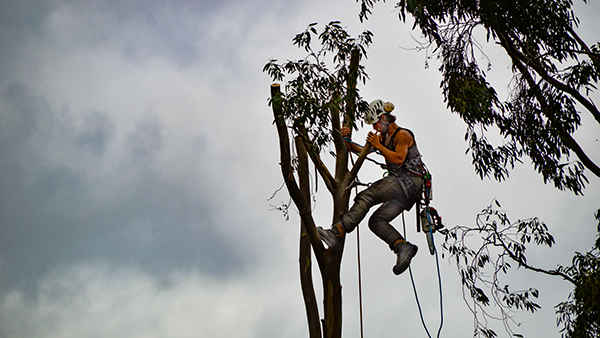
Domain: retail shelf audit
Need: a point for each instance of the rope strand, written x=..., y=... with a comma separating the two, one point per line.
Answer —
x=360, y=307
x=359, y=282
x=415, y=288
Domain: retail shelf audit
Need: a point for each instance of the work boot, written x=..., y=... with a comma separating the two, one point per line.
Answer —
x=405, y=251
x=332, y=237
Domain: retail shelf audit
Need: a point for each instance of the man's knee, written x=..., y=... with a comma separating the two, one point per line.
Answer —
x=376, y=222
x=364, y=197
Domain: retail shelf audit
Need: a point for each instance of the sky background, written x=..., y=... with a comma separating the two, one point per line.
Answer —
x=138, y=156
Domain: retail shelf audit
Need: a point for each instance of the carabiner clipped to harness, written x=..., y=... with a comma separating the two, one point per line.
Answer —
x=427, y=187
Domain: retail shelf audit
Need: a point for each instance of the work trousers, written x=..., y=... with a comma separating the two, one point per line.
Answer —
x=395, y=194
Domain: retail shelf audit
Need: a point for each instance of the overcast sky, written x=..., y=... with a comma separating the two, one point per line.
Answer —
x=137, y=157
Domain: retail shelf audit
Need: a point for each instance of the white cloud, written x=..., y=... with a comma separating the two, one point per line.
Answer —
x=102, y=301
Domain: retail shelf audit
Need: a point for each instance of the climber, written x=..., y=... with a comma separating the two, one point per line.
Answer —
x=396, y=192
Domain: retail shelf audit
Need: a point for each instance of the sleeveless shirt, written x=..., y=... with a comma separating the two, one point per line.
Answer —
x=412, y=163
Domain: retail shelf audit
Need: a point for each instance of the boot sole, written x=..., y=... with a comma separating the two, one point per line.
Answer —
x=402, y=266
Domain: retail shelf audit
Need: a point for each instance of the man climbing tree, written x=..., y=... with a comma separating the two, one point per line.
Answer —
x=398, y=191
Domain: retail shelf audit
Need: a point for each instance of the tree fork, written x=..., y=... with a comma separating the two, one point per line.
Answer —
x=315, y=158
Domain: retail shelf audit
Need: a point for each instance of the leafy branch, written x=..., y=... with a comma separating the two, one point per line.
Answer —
x=580, y=314
x=483, y=259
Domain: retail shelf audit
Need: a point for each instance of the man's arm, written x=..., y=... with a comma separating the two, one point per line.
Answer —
x=354, y=147
x=403, y=141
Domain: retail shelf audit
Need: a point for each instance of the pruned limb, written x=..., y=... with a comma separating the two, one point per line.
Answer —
x=300, y=200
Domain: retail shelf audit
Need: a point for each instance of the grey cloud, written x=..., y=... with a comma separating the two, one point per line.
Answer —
x=97, y=131
x=142, y=28
x=146, y=140
x=19, y=20
x=54, y=212
x=147, y=28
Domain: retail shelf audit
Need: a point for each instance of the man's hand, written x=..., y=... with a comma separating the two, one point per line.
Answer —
x=345, y=131
x=373, y=139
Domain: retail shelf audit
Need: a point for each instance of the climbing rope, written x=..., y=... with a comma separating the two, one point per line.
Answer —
x=360, y=307
x=359, y=282
x=439, y=284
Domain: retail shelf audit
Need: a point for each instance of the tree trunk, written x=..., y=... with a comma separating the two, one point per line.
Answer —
x=306, y=281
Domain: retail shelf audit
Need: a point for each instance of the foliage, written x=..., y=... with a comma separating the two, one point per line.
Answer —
x=554, y=72
x=580, y=314
x=482, y=260
x=501, y=245
x=317, y=92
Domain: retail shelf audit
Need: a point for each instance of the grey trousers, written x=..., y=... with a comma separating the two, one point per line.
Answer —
x=395, y=194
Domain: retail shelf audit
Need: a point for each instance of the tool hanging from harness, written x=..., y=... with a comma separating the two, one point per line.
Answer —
x=428, y=218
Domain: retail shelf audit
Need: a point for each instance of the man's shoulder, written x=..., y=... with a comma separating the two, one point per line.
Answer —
x=404, y=134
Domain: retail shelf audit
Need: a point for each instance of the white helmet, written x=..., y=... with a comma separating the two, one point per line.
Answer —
x=376, y=109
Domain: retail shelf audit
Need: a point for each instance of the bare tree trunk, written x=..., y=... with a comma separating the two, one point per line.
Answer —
x=306, y=281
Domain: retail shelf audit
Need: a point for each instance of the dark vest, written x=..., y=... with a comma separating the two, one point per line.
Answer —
x=412, y=163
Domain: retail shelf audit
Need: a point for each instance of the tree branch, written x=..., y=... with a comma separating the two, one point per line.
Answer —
x=533, y=268
x=341, y=162
x=342, y=150
x=565, y=136
x=554, y=82
x=358, y=164
x=592, y=55
x=315, y=158
x=306, y=281
x=300, y=200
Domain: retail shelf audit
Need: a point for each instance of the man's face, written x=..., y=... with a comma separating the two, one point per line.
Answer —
x=381, y=125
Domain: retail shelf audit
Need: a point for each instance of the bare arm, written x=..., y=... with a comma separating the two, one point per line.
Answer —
x=355, y=148
x=403, y=141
